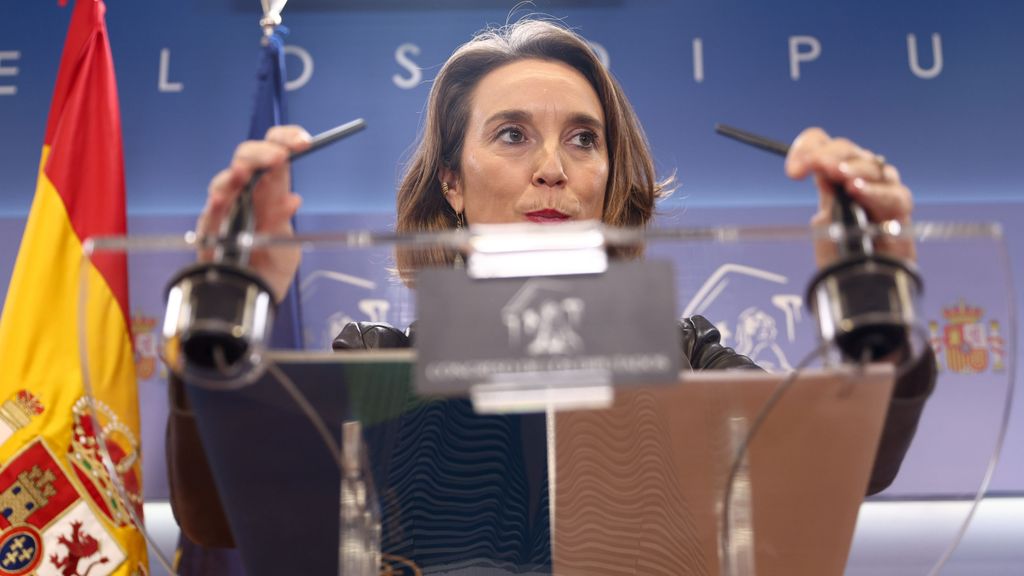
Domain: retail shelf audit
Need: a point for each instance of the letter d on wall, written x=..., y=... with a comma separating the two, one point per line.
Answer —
x=307, y=67
x=796, y=55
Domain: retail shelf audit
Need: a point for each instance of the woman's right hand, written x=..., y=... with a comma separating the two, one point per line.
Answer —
x=274, y=203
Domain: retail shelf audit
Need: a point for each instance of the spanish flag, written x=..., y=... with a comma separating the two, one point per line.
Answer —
x=60, y=512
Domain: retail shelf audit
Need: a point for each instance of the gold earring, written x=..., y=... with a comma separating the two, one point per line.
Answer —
x=460, y=221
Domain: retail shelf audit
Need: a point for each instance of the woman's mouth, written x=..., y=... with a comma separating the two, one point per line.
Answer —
x=546, y=216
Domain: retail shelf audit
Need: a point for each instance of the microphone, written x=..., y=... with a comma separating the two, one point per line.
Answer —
x=220, y=314
x=865, y=302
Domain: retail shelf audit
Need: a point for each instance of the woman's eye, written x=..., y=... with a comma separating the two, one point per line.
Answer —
x=585, y=139
x=512, y=135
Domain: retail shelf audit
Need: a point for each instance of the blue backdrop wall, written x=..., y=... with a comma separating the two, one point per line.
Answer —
x=936, y=87
x=950, y=118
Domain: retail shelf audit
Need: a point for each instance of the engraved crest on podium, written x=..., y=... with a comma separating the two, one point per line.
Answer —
x=544, y=316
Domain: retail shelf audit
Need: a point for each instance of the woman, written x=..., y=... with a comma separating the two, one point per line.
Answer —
x=525, y=124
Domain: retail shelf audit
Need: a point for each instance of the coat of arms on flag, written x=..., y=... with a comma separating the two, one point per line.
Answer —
x=86, y=459
x=47, y=527
x=17, y=411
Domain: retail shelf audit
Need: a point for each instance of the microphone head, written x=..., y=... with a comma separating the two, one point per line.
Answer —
x=217, y=325
x=866, y=304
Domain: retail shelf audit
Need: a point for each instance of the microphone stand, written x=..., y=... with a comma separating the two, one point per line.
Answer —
x=865, y=302
x=220, y=314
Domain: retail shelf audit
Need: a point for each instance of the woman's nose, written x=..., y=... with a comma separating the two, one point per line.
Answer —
x=550, y=171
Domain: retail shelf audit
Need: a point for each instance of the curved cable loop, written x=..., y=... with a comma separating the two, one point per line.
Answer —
x=725, y=544
x=725, y=532
x=308, y=411
x=1011, y=373
x=101, y=437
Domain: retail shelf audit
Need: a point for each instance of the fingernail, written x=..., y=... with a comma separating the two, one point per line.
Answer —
x=793, y=165
x=858, y=184
x=844, y=168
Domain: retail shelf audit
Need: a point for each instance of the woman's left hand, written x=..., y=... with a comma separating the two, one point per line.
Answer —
x=867, y=178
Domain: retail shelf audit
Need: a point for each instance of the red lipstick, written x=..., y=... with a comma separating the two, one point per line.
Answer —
x=546, y=216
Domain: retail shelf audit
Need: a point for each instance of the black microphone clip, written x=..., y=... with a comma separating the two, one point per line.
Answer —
x=864, y=301
x=220, y=314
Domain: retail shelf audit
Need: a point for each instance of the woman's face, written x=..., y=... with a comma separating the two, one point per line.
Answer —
x=535, y=148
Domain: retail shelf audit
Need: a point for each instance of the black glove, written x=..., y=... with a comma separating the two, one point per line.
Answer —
x=370, y=336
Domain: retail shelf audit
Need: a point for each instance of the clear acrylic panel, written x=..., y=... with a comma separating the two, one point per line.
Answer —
x=637, y=486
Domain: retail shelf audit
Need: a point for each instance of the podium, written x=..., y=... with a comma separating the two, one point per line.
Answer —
x=636, y=484
x=712, y=472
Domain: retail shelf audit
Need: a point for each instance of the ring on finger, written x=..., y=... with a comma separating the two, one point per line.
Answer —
x=881, y=163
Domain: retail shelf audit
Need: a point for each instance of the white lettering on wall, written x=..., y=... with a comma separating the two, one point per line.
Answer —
x=602, y=54
x=698, y=60
x=163, y=83
x=915, y=65
x=791, y=305
x=376, y=309
x=415, y=76
x=796, y=55
x=802, y=49
x=307, y=67
x=9, y=71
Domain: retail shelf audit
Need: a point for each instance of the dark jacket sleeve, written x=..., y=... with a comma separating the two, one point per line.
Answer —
x=194, y=497
x=908, y=399
x=702, y=348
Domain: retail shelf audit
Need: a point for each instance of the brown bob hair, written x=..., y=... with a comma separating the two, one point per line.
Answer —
x=632, y=185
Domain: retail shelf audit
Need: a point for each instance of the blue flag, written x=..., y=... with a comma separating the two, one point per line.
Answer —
x=269, y=109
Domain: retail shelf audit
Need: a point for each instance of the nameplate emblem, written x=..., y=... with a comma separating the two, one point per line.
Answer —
x=618, y=327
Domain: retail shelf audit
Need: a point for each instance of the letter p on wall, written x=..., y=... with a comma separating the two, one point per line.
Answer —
x=798, y=55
